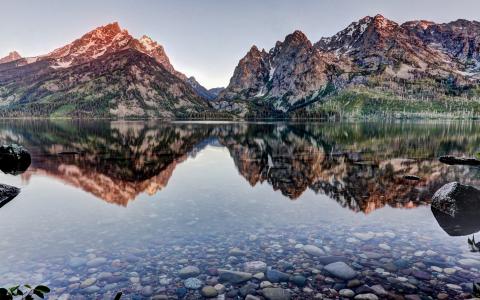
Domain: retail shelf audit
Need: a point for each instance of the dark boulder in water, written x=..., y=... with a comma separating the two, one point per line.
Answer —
x=14, y=159
x=452, y=160
x=7, y=193
x=456, y=208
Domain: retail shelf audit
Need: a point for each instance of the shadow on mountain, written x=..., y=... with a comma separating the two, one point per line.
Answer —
x=361, y=166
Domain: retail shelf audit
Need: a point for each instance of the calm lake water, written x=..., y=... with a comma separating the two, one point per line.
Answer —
x=124, y=206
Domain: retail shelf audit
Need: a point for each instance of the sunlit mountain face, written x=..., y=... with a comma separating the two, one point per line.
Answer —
x=360, y=166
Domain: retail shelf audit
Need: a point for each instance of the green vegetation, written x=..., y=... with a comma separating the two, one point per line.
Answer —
x=369, y=103
x=25, y=292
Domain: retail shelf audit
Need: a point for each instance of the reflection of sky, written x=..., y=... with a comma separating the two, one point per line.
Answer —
x=205, y=195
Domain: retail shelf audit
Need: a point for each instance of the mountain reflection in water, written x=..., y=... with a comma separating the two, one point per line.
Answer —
x=361, y=166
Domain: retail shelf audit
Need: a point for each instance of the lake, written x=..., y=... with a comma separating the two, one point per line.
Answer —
x=137, y=207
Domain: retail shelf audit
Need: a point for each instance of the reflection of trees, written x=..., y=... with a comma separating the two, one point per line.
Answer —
x=354, y=165
x=113, y=161
x=361, y=166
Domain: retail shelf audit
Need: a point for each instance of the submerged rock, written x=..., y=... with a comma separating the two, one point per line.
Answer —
x=193, y=283
x=341, y=270
x=189, y=271
x=313, y=250
x=276, y=294
x=14, y=159
x=255, y=266
x=209, y=292
x=456, y=207
x=452, y=160
x=234, y=276
x=7, y=193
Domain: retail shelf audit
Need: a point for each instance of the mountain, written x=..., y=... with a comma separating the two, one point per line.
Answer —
x=12, y=56
x=289, y=74
x=373, y=59
x=201, y=90
x=105, y=73
x=216, y=91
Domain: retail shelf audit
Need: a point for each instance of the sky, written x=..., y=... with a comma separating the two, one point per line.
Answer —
x=205, y=38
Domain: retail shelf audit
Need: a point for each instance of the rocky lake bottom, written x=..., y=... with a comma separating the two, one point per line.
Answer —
x=262, y=216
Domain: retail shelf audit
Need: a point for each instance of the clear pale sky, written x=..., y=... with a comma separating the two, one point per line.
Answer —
x=205, y=38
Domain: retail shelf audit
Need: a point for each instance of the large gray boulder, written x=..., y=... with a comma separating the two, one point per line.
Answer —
x=456, y=207
x=14, y=159
x=7, y=193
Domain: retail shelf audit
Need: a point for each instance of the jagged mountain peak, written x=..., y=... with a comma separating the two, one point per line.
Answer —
x=104, y=39
x=421, y=24
x=12, y=56
x=149, y=43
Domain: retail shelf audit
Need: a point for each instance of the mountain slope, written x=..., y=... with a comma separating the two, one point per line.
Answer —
x=290, y=73
x=127, y=83
x=105, y=73
x=376, y=57
x=201, y=90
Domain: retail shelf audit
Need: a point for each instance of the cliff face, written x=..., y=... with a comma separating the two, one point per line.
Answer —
x=419, y=58
x=292, y=71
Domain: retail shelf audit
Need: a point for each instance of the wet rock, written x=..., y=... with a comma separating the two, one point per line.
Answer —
x=209, y=292
x=147, y=291
x=421, y=275
x=456, y=208
x=364, y=236
x=193, y=283
x=7, y=193
x=298, y=280
x=452, y=160
x=341, y=270
x=91, y=289
x=277, y=276
x=237, y=252
x=76, y=262
x=96, y=262
x=88, y=282
x=354, y=283
x=379, y=290
x=248, y=288
x=325, y=260
x=265, y=284
x=368, y=296
x=313, y=250
x=14, y=159
x=233, y=276
x=181, y=292
x=255, y=267
x=220, y=288
x=346, y=293
x=276, y=294
x=442, y=296
x=189, y=271
x=469, y=262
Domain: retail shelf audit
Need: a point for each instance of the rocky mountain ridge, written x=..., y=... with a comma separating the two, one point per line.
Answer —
x=12, y=56
x=417, y=59
x=105, y=73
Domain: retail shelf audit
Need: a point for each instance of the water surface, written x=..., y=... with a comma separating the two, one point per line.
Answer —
x=131, y=203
